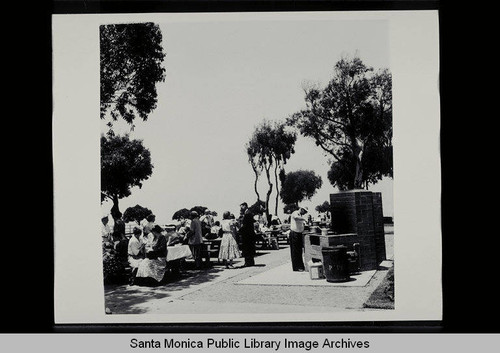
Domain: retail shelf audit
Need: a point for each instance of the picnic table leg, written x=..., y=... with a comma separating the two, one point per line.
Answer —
x=175, y=267
x=207, y=258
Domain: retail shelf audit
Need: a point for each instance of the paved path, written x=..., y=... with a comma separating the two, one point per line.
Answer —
x=218, y=290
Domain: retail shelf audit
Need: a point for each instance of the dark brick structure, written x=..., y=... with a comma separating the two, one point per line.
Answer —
x=360, y=212
x=357, y=217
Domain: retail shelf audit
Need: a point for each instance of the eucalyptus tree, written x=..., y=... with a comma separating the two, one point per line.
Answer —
x=299, y=185
x=268, y=150
x=351, y=120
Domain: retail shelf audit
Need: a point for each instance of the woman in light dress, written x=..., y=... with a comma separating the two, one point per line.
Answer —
x=228, y=247
x=154, y=265
x=135, y=252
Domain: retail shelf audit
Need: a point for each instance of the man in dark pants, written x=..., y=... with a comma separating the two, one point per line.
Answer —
x=297, y=222
x=195, y=239
x=247, y=235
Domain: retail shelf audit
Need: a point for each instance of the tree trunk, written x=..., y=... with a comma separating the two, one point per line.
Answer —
x=268, y=195
x=256, y=181
x=115, y=207
x=358, y=155
x=277, y=190
x=358, y=179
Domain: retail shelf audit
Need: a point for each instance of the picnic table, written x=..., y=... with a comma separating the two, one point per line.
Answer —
x=176, y=254
x=268, y=239
x=211, y=249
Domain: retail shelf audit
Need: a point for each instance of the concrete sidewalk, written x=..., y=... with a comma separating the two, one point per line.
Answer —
x=269, y=287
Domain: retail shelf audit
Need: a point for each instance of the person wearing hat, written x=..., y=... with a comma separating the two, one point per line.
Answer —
x=195, y=238
x=155, y=262
x=297, y=222
x=135, y=252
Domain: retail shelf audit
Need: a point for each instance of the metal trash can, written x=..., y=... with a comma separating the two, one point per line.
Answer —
x=335, y=263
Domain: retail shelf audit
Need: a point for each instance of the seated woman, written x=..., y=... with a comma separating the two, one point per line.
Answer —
x=153, y=267
x=215, y=231
x=135, y=253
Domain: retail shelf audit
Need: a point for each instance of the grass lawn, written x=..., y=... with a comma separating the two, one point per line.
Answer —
x=383, y=296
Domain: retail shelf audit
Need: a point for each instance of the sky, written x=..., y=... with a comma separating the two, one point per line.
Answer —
x=222, y=80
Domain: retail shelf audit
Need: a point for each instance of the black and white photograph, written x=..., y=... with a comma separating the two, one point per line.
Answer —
x=244, y=168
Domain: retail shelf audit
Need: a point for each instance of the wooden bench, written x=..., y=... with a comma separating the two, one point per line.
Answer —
x=267, y=240
x=209, y=249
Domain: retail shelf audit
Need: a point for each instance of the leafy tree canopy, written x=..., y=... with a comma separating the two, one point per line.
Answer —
x=289, y=208
x=199, y=209
x=258, y=207
x=351, y=120
x=136, y=214
x=268, y=150
x=271, y=143
x=299, y=185
x=324, y=207
x=125, y=163
x=131, y=57
x=183, y=213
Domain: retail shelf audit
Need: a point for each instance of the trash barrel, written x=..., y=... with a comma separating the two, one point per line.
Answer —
x=335, y=263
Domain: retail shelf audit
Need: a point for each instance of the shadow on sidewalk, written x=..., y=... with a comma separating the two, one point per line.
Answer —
x=126, y=299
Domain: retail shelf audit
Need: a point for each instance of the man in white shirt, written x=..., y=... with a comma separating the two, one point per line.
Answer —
x=207, y=222
x=297, y=222
x=207, y=218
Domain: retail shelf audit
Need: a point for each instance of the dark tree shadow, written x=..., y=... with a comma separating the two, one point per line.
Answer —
x=126, y=299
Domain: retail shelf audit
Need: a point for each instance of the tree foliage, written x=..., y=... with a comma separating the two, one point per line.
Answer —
x=299, y=186
x=324, y=207
x=125, y=163
x=258, y=207
x=130, y=57
x=289, y=208
x=268, y=150
x=199, y=209
x=136, y=214
x=183, y=213
x=351, y=120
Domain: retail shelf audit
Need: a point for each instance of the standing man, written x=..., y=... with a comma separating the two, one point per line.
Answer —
x=247, y=234
x=195, y=239
x=297, y=222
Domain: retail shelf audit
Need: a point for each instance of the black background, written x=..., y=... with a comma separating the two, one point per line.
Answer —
x=469, y=201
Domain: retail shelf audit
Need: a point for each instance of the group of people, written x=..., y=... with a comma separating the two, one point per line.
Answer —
x=146, y=250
